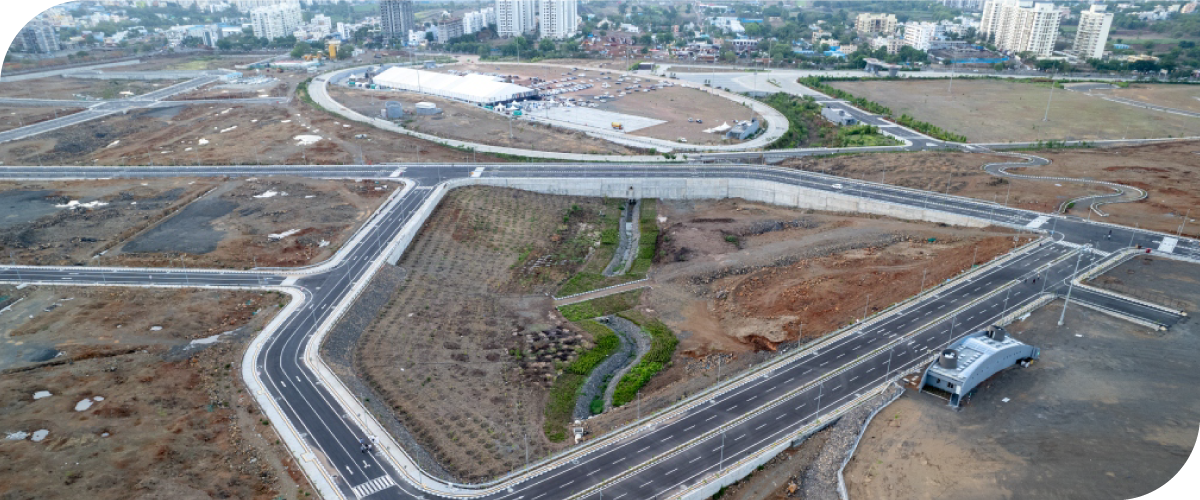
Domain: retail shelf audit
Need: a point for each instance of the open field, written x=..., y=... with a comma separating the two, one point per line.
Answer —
x=472, y=123
x=672, y=104
x=1166, y=171
x=131, y=410
x=999, y=111
x=464, y=351
x=214, y=223
x=193, y=62
x=1185, y=97
x=72, y=88
x=1109, y=411
x=217, y=134
x=220, y=90
x=11, y=118
x=737, y=281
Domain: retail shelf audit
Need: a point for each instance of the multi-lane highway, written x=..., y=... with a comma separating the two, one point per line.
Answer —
x=665, y=454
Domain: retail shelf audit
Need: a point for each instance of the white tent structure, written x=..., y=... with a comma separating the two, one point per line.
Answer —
x=477, y=89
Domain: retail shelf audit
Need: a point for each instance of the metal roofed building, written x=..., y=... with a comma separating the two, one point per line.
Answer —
x=475, y=89
x=975, y=358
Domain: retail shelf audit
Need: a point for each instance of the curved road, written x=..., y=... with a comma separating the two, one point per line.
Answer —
x=667, y=454
x=1123, y=193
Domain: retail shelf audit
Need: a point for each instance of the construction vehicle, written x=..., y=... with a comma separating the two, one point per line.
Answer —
x=618, y=126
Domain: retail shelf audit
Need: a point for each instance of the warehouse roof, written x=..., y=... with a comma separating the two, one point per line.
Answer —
x=480, y=89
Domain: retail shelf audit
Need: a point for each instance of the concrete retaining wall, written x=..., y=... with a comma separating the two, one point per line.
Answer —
x=715, y=188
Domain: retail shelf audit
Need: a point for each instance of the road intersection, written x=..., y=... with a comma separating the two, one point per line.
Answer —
x=667, y=454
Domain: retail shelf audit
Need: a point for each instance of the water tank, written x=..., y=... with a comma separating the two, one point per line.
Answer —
x=948, y=359
x=997, y=333
x=394, y=110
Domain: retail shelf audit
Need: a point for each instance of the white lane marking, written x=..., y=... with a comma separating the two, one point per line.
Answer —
x=373, y=486
x=478, y=172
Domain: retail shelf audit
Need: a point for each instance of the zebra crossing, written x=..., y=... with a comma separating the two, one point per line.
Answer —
x=373, y=486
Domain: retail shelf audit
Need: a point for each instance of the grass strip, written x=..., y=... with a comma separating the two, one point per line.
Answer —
x=662, y=347
x=602, y=306
x=648, y=242
x=560, y=406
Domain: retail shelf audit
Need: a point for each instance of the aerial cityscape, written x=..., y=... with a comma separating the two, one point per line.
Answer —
x=600, y=249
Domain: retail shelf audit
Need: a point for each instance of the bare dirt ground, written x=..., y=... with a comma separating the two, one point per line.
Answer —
x=467, y=122
x=737, y=281
x=11, y=118
x=1185, y=97
x=673, y=104
x=164, y=421
x=447, y=353
x=35, y=230
x=1166, y=171
x=58, y=87
x=998, y=111
x=230, y=91
x=192, y=63
x=232, y=135
x=1109, y=411
x=215, y=223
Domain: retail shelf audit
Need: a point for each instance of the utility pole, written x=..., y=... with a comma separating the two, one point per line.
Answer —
x=1071, y=285
x=14, y=261
x=1179, y=233
x=1046, y=118
x=923, y=273
x=721, y=461
x=864, y=316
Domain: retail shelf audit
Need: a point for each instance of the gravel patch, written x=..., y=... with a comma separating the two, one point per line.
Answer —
x=23, y=207
x=595, y=384
x=630, y=330
x=189, y=231
x=820, y=481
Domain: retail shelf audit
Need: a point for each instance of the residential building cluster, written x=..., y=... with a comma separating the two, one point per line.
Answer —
x=276, y=20
x=1021, y=25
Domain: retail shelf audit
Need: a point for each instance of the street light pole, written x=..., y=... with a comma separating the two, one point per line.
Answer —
x=1179, y=233
x=923, y=273
x=1071, y=286
x=864, y=316
x=1046, y=118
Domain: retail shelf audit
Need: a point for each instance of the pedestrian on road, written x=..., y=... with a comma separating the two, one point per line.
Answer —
x=1110, y=234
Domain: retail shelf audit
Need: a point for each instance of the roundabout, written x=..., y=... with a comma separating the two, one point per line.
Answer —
x=589, y=125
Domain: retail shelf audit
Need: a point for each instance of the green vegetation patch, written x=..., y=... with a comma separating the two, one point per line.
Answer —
x=602, y=306
x=806, y=126
x=648, y=242
x=591, y=276
x=662, y=347
x=560, y=406
x=817, y=83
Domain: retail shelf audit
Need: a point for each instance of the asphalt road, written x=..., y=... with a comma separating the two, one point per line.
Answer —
x=739, y=421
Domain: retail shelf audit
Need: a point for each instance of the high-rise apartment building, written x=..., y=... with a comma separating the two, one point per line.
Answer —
x=249, y=5
x=38, y=36
x=277, y=20
x=920, y=36
x=449, y=29
x=963, y=4
x=558, y=18
x=875, y=23
x=1092, y=34
x=515, y=17
x=396, y=18
x=1021, y=25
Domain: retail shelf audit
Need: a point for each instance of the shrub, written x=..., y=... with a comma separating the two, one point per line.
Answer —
x=662, y=347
